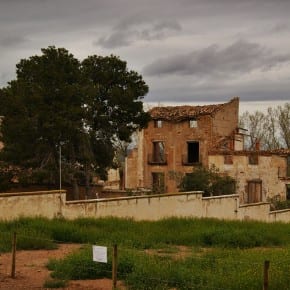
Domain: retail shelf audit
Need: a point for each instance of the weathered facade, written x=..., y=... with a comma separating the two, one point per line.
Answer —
x=176, y=139
x=260, y=176
x=180, y=138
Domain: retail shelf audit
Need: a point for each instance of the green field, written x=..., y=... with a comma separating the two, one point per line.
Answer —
x=167, y=254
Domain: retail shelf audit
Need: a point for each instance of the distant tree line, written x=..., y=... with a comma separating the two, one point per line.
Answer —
x=270, y=129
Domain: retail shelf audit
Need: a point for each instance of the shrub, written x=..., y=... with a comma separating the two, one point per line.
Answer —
x=80, y=265
x=210, y=181
x=280, y=204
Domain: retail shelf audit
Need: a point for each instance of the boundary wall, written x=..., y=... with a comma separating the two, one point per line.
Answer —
x=52, y=204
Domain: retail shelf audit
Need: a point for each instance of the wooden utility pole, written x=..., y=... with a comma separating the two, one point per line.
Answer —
x=13, y=255
x=266, y=275
x=114, y=266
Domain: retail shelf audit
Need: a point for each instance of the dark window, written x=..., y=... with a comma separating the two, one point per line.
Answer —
x=254, y=191
x=288, y=191
x=228, y=159
x=158, y=123
x=158, y=183
x=253, y=159
x=192, y=152
x=288, y=166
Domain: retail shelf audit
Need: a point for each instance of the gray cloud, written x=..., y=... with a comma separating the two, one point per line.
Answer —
x=280, y=28
x=220, y=92
x=11, y=40
x=143, y=31
x=124, y=34
x=116, y=39
x=238, y=58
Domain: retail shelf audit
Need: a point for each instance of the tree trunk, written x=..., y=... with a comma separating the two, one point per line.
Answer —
x=87, y=180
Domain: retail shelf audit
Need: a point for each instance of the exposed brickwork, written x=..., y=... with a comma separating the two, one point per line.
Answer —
x=212, y=123
x=260, y=175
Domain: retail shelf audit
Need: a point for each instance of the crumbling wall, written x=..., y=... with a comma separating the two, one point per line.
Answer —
x=131, y=168
x=175, y=136
x=226, y=120
x=270, y=170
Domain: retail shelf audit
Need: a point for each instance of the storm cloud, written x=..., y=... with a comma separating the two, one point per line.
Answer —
x=187, y=50
x=125, y=36
x=238, y=58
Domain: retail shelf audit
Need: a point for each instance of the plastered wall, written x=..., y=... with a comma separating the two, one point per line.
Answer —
x=267, y=170
x=30, y=204
x=190, y=204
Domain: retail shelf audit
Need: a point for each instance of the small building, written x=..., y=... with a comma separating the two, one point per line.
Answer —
x=176, y=139
x=179, y=138
x=260, y=175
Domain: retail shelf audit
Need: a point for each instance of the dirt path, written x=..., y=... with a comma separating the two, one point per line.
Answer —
x=31, y=272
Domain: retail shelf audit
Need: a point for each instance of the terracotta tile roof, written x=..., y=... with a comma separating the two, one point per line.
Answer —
x=180, y=113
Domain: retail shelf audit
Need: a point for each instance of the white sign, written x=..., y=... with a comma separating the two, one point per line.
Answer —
x=100, y=254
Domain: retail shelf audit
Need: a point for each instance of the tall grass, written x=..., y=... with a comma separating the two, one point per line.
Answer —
x=215, y=269
x=43, y=233
x=220, y=254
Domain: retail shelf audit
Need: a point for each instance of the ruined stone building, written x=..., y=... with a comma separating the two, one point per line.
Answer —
x=260, y=175
x=178, y=138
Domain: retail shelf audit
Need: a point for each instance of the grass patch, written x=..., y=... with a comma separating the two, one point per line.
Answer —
x=54, y=283
x=180, y=253
x=230, y=269
x=40, y=233
x=80, y=265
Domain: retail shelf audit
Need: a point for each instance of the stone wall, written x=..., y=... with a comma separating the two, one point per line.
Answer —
x=226, y=120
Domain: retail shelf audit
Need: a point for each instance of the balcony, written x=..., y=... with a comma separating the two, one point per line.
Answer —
x=191, y=161
x=154, y=159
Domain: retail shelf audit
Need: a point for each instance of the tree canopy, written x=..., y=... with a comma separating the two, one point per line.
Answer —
x=82, y=106
x=271, y=129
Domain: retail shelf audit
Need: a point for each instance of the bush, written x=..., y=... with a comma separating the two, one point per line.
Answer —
x=80, y=265
x=277, y=205
x=210, y=181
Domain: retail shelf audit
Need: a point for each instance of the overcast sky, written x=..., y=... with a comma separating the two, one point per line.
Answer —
x=187, y=50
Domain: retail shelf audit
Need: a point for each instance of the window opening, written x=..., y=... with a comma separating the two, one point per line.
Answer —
x=253, y=159
x=288, y=191
x=158, y=123
x=192, y=123
x=158, y=152
x=254, y=191
x=158, y=183
x=192, y=152
x=228, y=159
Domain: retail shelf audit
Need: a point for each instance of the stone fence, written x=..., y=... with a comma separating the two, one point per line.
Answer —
x=147, y=207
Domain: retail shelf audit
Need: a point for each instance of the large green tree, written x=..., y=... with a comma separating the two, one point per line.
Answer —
x=84, y=107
